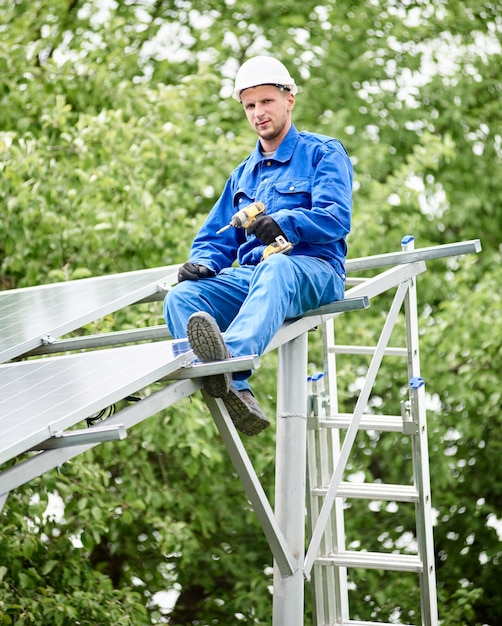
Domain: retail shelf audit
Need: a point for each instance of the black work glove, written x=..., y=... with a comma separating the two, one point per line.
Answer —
x=193, y=271
x=265, y=229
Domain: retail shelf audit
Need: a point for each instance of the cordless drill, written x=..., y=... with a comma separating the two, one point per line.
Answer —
x=245, y=217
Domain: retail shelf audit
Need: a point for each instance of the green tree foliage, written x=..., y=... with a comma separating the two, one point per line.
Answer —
x=116, y=135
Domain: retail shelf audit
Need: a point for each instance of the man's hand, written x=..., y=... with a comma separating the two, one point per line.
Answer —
x=265, y=229
x=193, y=271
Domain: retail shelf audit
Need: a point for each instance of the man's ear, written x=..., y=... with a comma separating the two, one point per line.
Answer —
x=291, y=101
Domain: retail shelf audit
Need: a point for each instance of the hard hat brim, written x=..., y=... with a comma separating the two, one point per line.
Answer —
x=291, y=88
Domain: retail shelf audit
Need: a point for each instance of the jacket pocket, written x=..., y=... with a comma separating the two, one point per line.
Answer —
x=292, y=194
x=243, y=197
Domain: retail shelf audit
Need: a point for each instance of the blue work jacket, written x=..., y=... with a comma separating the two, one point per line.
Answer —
x=307, y=189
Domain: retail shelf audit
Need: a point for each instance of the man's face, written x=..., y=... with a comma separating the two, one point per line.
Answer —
x=268, y=110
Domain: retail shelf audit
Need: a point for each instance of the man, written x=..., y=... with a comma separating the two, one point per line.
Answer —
x=305, y=182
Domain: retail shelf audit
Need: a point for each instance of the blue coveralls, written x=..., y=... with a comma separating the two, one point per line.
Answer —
x=307, y=188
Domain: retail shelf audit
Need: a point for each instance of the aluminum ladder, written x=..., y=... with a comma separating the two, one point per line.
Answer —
x=330, y=436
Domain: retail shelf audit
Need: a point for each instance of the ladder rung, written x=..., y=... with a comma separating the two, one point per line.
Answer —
x=373, y=560
x=389, y=351
x=372, y=491
x=384, y=423
x=353, y=622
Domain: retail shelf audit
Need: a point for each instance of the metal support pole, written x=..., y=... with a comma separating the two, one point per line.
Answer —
x=290, y=477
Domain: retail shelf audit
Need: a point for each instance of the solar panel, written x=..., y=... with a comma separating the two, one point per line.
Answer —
x=43, y=396
x=29, y=315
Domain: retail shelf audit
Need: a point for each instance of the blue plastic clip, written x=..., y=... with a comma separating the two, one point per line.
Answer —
x=407, y=239
x=416, y=382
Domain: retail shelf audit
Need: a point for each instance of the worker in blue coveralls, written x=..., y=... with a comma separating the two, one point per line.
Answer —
x=229, y=309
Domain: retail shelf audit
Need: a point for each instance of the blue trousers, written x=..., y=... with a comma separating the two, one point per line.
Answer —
x=251, y=303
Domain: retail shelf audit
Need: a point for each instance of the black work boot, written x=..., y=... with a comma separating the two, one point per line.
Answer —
x=245, y=412
x=208, y=345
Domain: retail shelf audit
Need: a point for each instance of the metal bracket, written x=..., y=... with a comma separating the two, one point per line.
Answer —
x=164, y=286
x=317, y=401
x=196, y=369
x=410, y=426
x=96, y=434
x=47, y=340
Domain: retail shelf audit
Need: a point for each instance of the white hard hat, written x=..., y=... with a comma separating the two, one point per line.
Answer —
x=262, y=70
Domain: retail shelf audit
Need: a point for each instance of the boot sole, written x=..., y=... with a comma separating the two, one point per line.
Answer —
x=244, y=419
x=208, y=345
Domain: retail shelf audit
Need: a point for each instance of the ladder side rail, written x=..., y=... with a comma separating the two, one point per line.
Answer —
x=312, y=503
x=313, y=513
x=321, y=584
x=354, y=427
x=325, y=584
x=340, y=610
x=420, y=459
x=335, y=579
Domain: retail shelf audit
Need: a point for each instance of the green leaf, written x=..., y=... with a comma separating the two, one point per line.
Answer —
x=48, y=567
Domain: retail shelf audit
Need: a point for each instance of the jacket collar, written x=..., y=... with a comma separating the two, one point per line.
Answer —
x=284, y=151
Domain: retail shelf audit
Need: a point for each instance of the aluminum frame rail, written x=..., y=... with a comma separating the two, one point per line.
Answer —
x=410, y=254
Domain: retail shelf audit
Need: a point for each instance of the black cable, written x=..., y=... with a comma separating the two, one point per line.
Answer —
x=107, y=412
